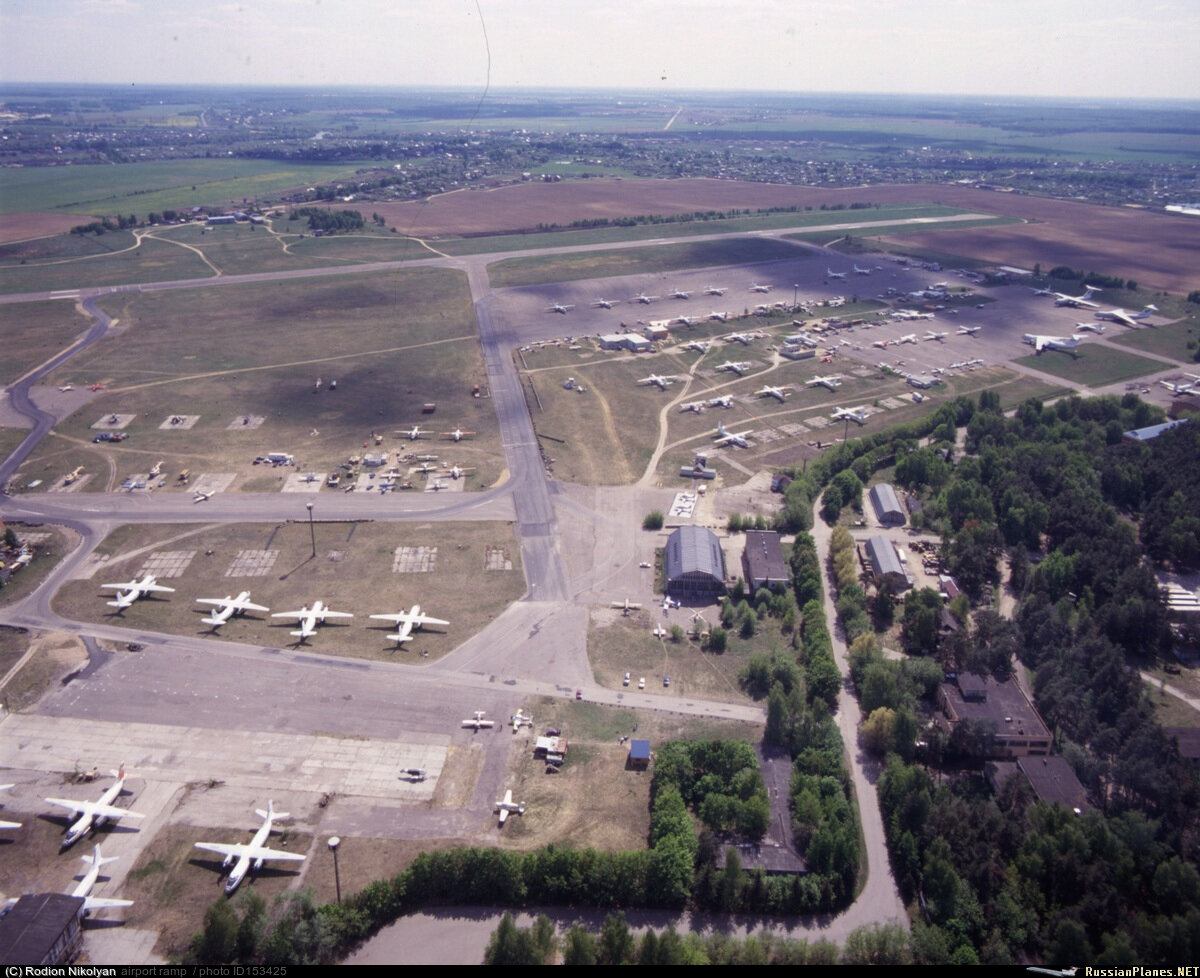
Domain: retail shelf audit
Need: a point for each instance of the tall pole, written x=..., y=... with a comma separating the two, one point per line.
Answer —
x=334, y=842
x=312, y=532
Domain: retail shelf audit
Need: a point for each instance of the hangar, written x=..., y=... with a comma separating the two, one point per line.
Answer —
x=887, y=505
x=694, y=563
x=886, y=567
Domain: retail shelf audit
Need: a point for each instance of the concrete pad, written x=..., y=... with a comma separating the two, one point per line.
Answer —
x=247, y=422
x=304, y=482
x=212, y=481
x=113, y=422
x=179, y=422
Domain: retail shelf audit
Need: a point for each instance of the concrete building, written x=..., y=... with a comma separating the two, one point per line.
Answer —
x=886, y=567
x=1000, y=707
x=762, y=561
x=887, y=505
x=694, y=565
x=612, y=341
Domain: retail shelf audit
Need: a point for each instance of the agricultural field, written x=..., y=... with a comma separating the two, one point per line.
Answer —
x=363, y=568
x=1093, y=366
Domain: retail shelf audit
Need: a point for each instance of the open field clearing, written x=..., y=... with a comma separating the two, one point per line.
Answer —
x=1166, y=341
x=893, y=230
x=151, y=261
x=32, y=332
x=393, y=342
x=356, y=570
x=1093, y=366
x=655, y=258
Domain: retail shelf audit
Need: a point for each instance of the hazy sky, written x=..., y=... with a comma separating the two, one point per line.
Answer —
x=1015, y=47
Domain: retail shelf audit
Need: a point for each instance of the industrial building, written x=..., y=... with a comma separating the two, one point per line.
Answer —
x=886, y=567
x=762, y=561
x=1000, y=707
x=694, y=564
x=887, y=505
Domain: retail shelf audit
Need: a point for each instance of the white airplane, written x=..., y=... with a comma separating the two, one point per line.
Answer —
x=413, y=433
x=738, y=338
x=519, y=720
x=738, y=367
x=8, y=825
x=714, y=290
x=68, y=387
x=724, y=437
x=685, y=320
x=605, y=303
x=695, y=407
x=626, y=606
x=409, y=620
x=458, y=471
x=680, y=294
x=508, y=805
x=1096, y=328
x=227, y=607
x=559, y=307
x=1065, y=343
x=458, y=434
x=309, y=618
x=1076, y=301
x=477, y=722
x=1178, y=388
x=245, y=856
x=720, y=317
x=662, y=383
x=130, y=591
x=833, y=382
x=931, y=335
x=908, y=338
x=854, y=414
x=830, y=273
x=1043, y=291
x=755, y=287
x=725, y=401
x=88, y=880
x=644, y=299
x=93, y=814
x=779, y=393
x=861, y=271
x=1126, y=318
x=968, y=330
x=201, y=497
x=659, y=632
x=700, y=346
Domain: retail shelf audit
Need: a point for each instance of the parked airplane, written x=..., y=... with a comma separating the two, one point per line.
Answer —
x=659, y=632
x=408, y=621
x=559, y=307
x=519, y=720
x=1043, y=292
x=830, y=273
x=458, y=434
x=700, y=346
x=243, y=857
x=720, y=317
x=1126, y=318
x=8, y=825
x=833, y=382
x=861, y=271
x=931, y=335
x=854, y=414
x=309, y=618
x=130, y=591
x=93, y=814
x=714, y=290
x=413, y=433
x=73, y=475
x=227, y=607
x=738, y=338
x=779, y=393
x=1076, y=301
x=605, y=303
x=725, y=401
x=644, y=299
x=626, y=606
x=1178, y=388
x=680, y=294
x=458, y=471
x=685, y=320
x=96, y=387
x=730, y=437
x=660, y=382
x=508, y=805
x=755, y=287
x=68, y=387
x=201, y=497
x=968, y=330
x=908, y=338
x=477, y=722
x=1089, y=328
x=695, y=407
x=88, y=880
x=738, y=367
x=1040, y=343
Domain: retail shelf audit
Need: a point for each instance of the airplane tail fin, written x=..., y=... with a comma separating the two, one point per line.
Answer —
x=95, y=859
x=212, y=621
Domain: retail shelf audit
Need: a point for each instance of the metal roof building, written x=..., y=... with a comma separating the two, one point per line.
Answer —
x=887, y=505
x=694, y=562
x=762, y=561
x=889, y=572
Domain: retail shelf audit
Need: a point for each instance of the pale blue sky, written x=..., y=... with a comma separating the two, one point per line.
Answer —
x=1015, y=47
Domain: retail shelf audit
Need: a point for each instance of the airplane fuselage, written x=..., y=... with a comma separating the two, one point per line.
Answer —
x=87, y=821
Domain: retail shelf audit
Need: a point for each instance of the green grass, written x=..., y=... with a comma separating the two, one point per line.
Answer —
x=33, y=332
x=661, y=258
x=154, y=261
x=890, y=230
x=1166, y=341
x=1093, y=366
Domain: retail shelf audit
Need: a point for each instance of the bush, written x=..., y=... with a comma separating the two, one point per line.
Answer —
x=653, y=520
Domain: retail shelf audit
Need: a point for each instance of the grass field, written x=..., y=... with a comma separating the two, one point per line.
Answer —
x=352, y=572
x=152, y=261
x=393, y=342
x=661, y=258
x=1171, y=340
x=1093, y=366
x=33, y=332
x=895, y=228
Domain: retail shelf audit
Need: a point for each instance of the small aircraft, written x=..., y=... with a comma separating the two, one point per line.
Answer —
x=833, y=382
x=738, y=338
x=685, y=320
x=830, y=273
x=738, y=367
x=755, y=287
x=1043, y=291
x=1178, y=388
x=644, y=299
x=559, y=307
x=626, y=606
x=931, y=335
x=1096, y=328
x=1076, y=301
x=680, y=294
x=73, y=475
x=132, y=590
x=662, y=383
x=413, y=433
x=695, y=407
x=779, y=393
x=659, y=632
x=96, y=387
x=8, y=825
x=201, y=497
x=426, y=467
x=724, y=437
x=507, y=805
x=720, y=317
x=700, y=346
x=243, y=857
x=1126, y=318
x=408, y=621
x=310, y=618
x=93, y=814
x=435, y=486
x=858, y=414
x=1067, y=344
x=477, y=722
x=714, y=290
x=88, y=880
x=968, y=330
x=861, y=271
x=68, y=387
x=457, y=471
x=605, y=303
x=227, y=607
x=458, y=434
x=519, y=720
x=908, y=338
x=725, y=401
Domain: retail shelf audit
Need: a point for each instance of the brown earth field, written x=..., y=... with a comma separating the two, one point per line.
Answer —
x=37, y=224
x=1158, y=250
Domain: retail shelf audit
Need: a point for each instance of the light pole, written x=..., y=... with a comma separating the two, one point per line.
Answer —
x=334, y=842
x=795, y=297
x=312, y=532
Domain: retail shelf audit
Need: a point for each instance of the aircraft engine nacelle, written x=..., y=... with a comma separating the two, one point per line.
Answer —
x=227, y=862
x=258, y=864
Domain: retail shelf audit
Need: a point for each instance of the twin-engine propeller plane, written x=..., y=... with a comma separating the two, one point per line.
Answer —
x=309, y=618
x=227, y=607
x=243, y=856
x=407, y=621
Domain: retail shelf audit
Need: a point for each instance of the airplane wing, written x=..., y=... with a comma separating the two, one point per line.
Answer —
x=337, y=614
x=395, y=619
x=95, y=809
x=503, y=815
x=10, y=825
x=102, y=903
x=292, y=614
x=238, y=850
x=427, y=620
x=127, y=586
x=157, y=587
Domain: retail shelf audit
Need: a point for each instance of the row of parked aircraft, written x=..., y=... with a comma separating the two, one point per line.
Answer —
x=1122, y=316
x=413, y=432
